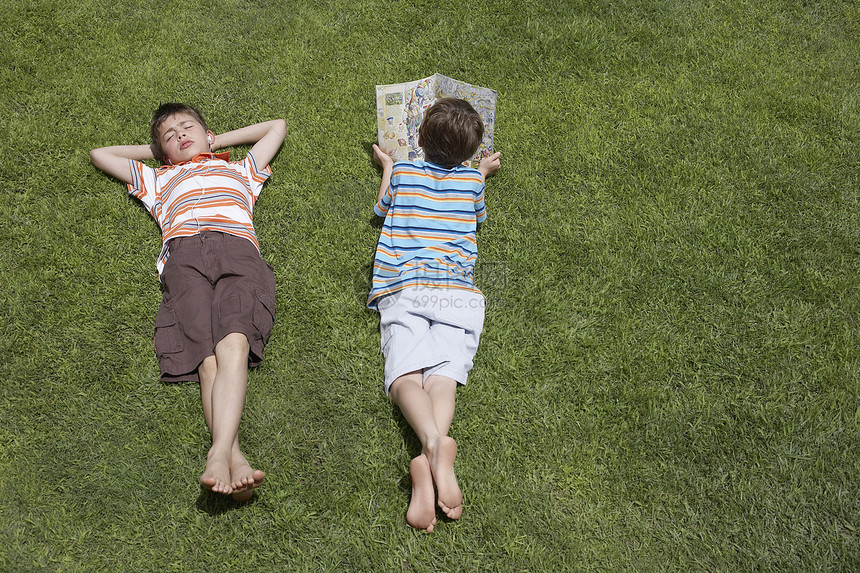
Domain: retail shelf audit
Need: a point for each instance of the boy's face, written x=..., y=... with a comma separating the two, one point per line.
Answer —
x=182, y=137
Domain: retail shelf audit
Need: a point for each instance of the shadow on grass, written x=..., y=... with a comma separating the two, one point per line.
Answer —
x=218, y=504
x=410, y=439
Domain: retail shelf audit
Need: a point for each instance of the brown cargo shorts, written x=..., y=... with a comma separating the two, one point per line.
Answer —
x=213, y=284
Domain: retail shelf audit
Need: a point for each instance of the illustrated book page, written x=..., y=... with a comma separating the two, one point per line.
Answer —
x=400, y=108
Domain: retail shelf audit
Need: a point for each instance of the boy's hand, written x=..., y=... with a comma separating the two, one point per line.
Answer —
x=491, y=164
x=382, y=158
x=387, y=164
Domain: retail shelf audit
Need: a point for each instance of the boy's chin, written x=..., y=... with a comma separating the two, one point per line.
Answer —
x=184, y=156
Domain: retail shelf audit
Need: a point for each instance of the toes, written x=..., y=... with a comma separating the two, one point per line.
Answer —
x=215, y=486
x=211, y=483
x=451, y=512
x=249, y=482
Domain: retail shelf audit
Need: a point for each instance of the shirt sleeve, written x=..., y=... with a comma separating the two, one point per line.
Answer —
x=382, y=206
x=480, y=208
x=256, y=174
x=143, y=185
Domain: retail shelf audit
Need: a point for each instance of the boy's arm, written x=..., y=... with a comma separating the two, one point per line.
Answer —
x=266, y=138
x=489, y=165
x=113, y=160
x=387, y=164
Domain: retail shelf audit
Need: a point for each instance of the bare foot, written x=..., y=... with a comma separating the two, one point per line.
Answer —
x=216, y=475
x=442, y=466
x=422, y=512
x=244, y=478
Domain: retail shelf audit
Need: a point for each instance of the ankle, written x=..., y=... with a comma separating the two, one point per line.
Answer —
x=217, y=452
x=431, y=445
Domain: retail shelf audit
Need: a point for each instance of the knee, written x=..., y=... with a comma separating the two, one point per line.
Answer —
x=437, y=383
x=404, y=384
x=209, y=365
x=234, y=343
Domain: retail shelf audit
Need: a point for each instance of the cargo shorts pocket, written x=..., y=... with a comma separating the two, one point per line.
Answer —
x=264, y=314
x=168, y=336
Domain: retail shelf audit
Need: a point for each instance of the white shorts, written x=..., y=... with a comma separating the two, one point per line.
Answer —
x=432, y=330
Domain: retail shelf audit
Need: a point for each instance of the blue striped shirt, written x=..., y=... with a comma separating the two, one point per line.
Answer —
x=428, y=238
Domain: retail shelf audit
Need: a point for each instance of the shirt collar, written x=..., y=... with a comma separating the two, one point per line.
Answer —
x=201, y=157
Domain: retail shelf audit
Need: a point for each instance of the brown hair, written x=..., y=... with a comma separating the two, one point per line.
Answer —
x=450, y=132
x=166, y=110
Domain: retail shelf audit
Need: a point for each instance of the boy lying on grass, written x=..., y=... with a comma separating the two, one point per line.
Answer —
x=218, y=302
x=431, y=314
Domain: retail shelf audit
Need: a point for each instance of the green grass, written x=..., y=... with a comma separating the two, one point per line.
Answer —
x=669, y=374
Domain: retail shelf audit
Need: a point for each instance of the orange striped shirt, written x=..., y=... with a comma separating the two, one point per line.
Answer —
x=208, y=193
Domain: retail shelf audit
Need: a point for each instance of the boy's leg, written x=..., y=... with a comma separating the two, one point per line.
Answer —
x=243, y=478
x=215, y=478
x=242, y=318
x=223, y=410
x=408, y=394
x=442, y=392
x=228, y=401
x=425, y=409
x=415, y=405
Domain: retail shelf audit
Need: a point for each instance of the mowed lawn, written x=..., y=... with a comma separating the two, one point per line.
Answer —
x=669, y=372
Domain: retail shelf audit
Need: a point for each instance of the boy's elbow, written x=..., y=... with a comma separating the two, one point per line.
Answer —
x=100, y=157
x=95, y=156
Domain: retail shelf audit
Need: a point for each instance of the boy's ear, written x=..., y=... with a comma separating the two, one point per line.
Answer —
x=211, y=137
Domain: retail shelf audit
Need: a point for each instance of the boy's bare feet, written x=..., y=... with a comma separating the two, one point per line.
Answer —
x=442, y=466
x=216, y=475
x=245, y=493
x=245, y=479
x=422, y=512
x=243, y=475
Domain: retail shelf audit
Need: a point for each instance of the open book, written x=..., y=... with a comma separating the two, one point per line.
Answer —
x=400, y=108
